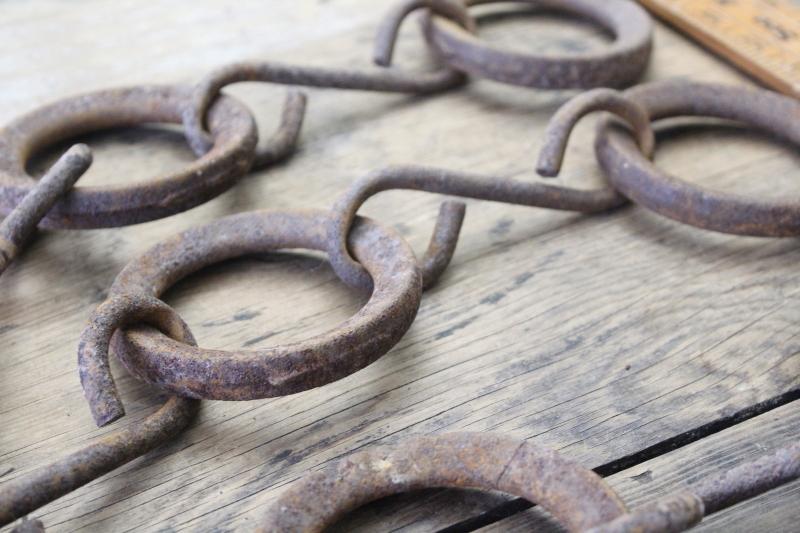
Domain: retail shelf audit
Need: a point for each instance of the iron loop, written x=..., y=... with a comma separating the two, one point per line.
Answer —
x=576, y=496
x=97, y=207
x=380, y=80
x=618, y=65
x=635, y=176
x=27, y=493
x=245, y=375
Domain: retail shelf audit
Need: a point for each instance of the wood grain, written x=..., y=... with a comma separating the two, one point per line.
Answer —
x=710, y=456
x=598, y=336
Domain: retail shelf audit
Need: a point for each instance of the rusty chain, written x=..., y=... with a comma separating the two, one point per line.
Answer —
x=156, y=346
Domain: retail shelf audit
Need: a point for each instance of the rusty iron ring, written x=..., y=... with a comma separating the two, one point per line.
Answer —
x=20, y=224
x=95, y=207
x=618, y=65
x=380, y=80
x=246, y=375
x=641, y=181
x=576, y=496
x=29, y=492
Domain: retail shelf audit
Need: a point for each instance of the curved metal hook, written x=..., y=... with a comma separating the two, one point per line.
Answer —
x=381, y=80
x=278, y=147
x=496, y=189
x=20, y=224
x=390, y=26
x=563, y=121
x=26, y=494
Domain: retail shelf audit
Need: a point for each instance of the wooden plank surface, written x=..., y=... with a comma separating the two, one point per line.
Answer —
x=598, y=336
x=710, y=456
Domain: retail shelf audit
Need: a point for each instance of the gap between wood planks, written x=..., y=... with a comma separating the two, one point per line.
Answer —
x=517, y=505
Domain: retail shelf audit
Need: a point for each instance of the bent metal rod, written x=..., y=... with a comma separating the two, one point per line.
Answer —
x=381, y=261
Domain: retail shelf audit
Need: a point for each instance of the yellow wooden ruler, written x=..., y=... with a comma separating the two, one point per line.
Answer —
x=762, y=37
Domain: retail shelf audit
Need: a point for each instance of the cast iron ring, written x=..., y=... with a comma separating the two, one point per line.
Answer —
x=619, y=65
x=245, y=375
x=636, y=177
x=576, y=496
x=231, y=125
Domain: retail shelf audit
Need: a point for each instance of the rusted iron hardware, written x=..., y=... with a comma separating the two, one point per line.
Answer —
x=687, y=508
x=634, y=176
x=574, y=495
x=493, y=188
x=244, y=375
x=618, y=65
x=450, y=31
x=577, y=497
x=27, y=493
x=20, y=223
x=231, y=124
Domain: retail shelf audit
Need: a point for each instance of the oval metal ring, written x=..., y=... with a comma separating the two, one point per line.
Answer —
x=575, y=495
x=231, y=124
x=637, y=178
x=245, y=375
x=618, y=65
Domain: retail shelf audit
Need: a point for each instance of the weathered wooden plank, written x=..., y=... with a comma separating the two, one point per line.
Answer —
x=774, y=511
x=597, y=336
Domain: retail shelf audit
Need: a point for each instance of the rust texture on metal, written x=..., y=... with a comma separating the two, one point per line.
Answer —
x=20, y=224
x=454, y=183
x=27, y=493
x=231, y=124
x=640, y=180
x=686, y=508
x=574, y=495
x=618, y=65
x=564, y=120
x=379, y=79
x=279, y=370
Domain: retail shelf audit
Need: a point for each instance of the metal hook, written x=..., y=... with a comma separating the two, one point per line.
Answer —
x=386, y=37
x=454, y=183
x=278, y=147
x=20, y=224
x=382, y=80
x=26, y=494
x=560, y=127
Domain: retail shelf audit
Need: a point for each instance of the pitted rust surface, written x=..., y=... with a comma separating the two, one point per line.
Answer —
x=574, y=495
x=231, y=125
x=27, y=493
x=20, y=224
x=618, y=65
x=381, y=80
x=442, y=181
x=276, y=371
x=641, y=181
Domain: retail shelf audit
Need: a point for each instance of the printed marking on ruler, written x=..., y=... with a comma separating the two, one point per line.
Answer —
x=760, y=36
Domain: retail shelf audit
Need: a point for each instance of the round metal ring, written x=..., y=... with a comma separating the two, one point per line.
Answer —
x=619, y=65
x=231, y=125
x=637, y=178
x=244, y=375
x=576, y=496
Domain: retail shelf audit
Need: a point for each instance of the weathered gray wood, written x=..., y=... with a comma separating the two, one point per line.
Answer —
x=597, y=336
x=710, y=456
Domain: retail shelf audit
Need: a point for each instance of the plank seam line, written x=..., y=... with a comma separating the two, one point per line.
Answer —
x=517, y=505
